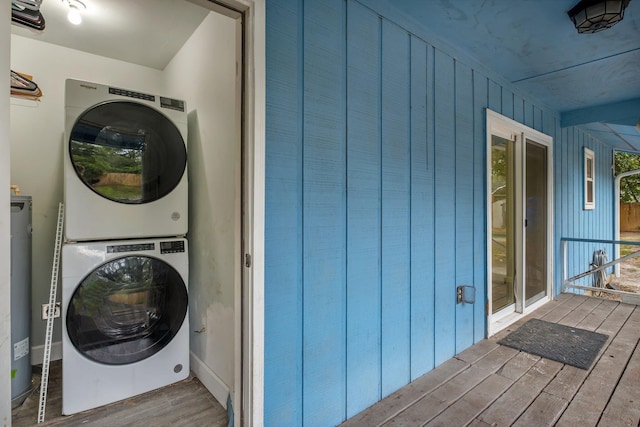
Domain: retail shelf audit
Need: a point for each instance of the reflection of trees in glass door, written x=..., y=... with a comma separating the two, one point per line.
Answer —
x=502, y=222
x=519, y=218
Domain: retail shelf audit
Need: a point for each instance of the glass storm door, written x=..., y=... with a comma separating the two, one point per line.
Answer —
x=536, y=222
x=519, y=220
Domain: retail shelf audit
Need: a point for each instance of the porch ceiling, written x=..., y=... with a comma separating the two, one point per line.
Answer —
x=592, y=79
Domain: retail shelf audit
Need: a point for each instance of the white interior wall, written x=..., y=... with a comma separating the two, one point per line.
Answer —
x=5, y=230
x=212, y=90
x=37, y=130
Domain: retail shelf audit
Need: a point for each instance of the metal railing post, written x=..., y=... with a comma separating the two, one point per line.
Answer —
x=565, y=273
x=569, y=282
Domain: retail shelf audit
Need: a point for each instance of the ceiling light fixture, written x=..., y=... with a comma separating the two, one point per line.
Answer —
x=75, y=7
x=591, y=16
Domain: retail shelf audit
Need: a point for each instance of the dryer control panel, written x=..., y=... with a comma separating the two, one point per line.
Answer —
x=172, y=247
x=130, y=248
x=131, y=94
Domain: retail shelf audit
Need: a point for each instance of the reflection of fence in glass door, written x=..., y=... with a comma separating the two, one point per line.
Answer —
x=112, y=164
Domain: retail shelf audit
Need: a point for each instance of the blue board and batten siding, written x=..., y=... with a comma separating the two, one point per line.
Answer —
x=376, y=205
x=572, y=220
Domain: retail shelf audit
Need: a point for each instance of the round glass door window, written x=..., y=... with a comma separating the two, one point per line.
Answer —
x=127, y=152
x=126, y=310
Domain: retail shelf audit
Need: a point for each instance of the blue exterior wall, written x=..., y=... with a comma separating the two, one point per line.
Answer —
x=375, y=205
x=572, y=220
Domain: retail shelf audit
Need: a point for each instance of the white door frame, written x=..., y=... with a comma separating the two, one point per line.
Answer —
x=249, y=301
x=252, y=331
x=5, y=218
x=500, y=125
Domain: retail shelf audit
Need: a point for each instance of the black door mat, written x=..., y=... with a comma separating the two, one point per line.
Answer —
x=571, y=346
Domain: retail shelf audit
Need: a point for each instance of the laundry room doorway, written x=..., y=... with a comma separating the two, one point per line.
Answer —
x=209, y=73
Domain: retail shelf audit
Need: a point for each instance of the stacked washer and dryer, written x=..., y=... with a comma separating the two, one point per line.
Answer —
x=125, y=261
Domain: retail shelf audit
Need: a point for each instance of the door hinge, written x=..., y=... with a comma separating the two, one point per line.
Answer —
x=247, y=260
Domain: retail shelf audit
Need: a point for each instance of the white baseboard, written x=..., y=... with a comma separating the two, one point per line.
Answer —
x=211, y=381
x=37, y=353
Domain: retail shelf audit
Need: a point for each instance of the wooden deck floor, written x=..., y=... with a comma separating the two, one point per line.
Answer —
x=492, y=385
x=186, y=403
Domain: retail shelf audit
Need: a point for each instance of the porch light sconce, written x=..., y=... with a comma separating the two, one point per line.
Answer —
x=591, y=16
x=465, y=294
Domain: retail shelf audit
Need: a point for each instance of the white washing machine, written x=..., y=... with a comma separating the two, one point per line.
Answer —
x=125, y=319
x=125, y=164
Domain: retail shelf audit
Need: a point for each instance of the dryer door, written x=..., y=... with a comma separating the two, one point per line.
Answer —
x=126, y=310
x=127, y=152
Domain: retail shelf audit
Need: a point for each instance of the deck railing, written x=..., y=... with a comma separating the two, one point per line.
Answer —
x=601, y=283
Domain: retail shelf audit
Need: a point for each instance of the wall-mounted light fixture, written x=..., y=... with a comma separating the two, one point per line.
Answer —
x=75, y=8
x=591, y=16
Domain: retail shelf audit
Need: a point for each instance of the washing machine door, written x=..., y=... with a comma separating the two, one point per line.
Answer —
x=127, y=152
x=126, y=310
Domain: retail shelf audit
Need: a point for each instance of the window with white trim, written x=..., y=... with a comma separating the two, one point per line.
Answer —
x=589, y=179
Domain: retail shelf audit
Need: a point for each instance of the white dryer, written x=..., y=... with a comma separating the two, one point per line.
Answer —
x=125, y=164
x=125, y=319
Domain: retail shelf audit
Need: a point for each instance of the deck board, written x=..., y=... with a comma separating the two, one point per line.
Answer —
x=454, y=389
x=492, y=385
x=518, y=366
x=185, y=403
x=544, y=411
x=382, y=411
x=623, y=408
x=580, y=312
x=594, y=319
x=466, y=380
x=472, y=403
x=562, y=310
x=590, y=400
x=510, y=405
